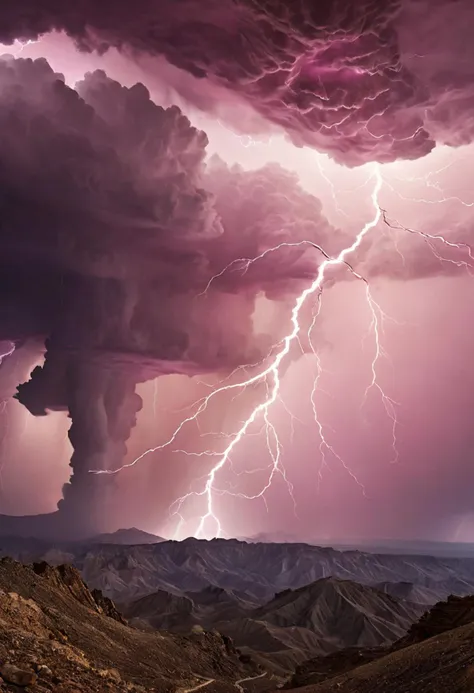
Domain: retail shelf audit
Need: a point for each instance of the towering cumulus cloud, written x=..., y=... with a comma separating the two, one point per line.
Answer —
x=100, y=186
x=111, y=227
x=371, y=80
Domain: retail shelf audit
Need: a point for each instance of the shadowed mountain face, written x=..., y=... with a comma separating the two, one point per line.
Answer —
x=320, y=618
x=324, y=616
x=411, y=592
x=434, y=656
x=342, y=613
x=181, y=612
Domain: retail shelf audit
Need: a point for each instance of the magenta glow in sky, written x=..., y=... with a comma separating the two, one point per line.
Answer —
x=117, y=214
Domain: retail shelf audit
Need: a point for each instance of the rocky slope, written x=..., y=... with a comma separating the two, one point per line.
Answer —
x=443, y=664
x=56, y=636
x=444, y=616
x=278, y=650
x=180, y=613
x=322, y=668
x=342, y=613
x=436, y=655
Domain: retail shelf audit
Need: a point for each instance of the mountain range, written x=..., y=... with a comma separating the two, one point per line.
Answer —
x=286, y=614
x=322, y=617
x=124, y=572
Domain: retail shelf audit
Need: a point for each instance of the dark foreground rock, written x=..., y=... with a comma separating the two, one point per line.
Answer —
x=56, y=636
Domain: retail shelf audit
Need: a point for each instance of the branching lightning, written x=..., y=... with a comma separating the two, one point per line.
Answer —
x=19, y=46
x=433, y=186
x=325, y=447
x=269, y=370
x=270, y=376
x=431, y=240
x=244, y=263
x=389, y=404
x=332, y=188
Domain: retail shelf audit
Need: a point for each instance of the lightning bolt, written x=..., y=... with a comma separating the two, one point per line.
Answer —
x=325, y=447
x=433, y=186
x=245, y=140
x=19, y=46
x=244, y=263
x=332, y=188
x=432, y=239
x=270, y=376
x=389, y=404
x=9, y=352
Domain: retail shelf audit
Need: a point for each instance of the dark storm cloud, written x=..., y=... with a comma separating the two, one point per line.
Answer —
x=97, y=189
x=105, y=194
x=359, y=80
x=110, y=227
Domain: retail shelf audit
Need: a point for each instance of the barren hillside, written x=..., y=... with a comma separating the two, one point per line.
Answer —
x=52, y=624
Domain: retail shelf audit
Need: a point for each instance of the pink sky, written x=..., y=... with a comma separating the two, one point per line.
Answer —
x=426, y=368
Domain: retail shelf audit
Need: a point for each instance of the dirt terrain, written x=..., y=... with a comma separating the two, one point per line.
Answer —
x=443, y=664
x=55, y=632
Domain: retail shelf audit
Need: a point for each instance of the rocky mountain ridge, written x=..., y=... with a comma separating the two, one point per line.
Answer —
x=334, y=634
x=319, y=618
x=125, y=572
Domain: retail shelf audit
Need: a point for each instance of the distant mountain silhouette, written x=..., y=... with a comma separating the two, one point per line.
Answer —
x=125, y=572
x=132, y=536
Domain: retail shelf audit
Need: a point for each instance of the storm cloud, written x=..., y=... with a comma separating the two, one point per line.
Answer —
x=357, y=80
x=112, y=227
x=114, y=221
